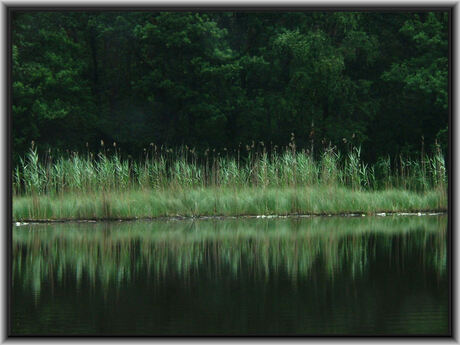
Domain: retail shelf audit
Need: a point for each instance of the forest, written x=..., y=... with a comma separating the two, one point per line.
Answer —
x=226, y=80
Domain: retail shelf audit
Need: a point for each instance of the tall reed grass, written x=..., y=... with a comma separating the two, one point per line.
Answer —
x=169, y=182
x=183, y=169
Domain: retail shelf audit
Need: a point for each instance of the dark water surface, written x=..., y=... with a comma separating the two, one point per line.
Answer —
x=307, y=276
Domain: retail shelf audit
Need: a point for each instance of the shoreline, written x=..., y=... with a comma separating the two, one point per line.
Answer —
x=224, y=217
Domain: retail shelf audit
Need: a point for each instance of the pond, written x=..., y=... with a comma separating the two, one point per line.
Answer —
x=292, y=276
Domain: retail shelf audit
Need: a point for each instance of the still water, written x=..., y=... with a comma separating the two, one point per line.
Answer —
x=293, y=276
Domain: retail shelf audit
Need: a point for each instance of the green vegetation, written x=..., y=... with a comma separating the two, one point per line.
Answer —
x=197, y=116
x=378, y=80
x=210, y=101
x=183, y=184
x=116, y=254
x=225, y=202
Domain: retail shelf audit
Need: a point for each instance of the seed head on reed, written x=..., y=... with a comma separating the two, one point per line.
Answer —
x=109, y=171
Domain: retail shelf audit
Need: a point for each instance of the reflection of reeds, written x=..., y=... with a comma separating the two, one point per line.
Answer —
x=116, y=253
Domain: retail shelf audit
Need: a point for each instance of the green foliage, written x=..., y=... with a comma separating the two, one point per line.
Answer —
x=425, y=72
x=166, y=168
x=51, y=95
x=375, y=80
x=171, y=182
x=224, y=201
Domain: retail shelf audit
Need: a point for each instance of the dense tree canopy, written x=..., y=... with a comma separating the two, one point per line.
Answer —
x=218, y=79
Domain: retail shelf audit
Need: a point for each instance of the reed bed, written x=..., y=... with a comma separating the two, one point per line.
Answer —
x=169, y=182
x=224, y=202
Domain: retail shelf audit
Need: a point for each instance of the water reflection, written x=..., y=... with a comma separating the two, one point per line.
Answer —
x=311, y=275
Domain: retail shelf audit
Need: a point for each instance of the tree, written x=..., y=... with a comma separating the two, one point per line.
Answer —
x=48, y=75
